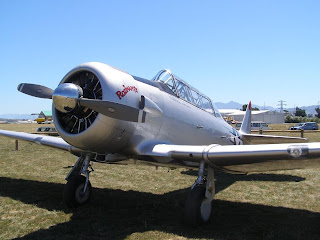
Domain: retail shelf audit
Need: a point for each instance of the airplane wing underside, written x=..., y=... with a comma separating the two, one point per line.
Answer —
x=245, y=158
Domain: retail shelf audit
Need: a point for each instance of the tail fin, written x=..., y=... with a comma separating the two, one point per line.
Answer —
x=246, y=123
x=248, y=138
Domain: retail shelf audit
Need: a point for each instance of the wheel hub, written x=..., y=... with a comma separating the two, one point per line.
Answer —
x=205, y=209
x=81, y=197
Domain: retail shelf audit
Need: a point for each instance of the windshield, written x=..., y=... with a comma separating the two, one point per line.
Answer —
x=184, y=91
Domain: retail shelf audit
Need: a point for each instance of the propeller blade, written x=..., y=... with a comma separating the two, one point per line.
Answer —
x=114, y=110
x=35, y=90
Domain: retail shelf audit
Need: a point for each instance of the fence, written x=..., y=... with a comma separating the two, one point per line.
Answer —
x=302, y=131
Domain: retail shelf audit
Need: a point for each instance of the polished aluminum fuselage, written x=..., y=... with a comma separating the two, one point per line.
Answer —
x=176, y=124
x=180, y=122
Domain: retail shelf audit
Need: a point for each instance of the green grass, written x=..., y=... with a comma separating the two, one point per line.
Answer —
x=140, y=202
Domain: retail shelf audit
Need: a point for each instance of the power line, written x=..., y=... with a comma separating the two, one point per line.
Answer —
x=282, y=103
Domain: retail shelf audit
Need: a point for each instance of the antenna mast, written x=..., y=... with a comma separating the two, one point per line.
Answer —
x=281, y=104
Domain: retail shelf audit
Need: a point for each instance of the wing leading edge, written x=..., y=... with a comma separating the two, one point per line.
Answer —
x=245, y=158
x=55, y=142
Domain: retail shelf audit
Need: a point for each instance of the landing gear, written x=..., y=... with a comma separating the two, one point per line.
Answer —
x=197, y=207
x=198, y=204
x=74, y=193
x=77, y=191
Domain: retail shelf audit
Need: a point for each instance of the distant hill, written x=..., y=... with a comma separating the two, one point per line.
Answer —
x=18, y=116
x=229, y=105
x=235, y=105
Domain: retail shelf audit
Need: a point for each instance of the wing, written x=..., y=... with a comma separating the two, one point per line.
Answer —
x=55, y=142
x=244, y=158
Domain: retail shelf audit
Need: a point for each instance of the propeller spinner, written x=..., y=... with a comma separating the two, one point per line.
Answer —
x=66, y=97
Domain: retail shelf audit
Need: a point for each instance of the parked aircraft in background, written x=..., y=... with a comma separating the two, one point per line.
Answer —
x=104, y=114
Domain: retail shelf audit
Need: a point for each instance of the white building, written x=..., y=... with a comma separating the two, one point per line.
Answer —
x=266, y=116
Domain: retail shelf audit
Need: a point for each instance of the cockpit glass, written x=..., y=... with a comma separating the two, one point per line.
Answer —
x=186, y=92
x=206, y=105
x=164, y=76
x=171, y=85
x=195, y=98
x=183, y=91
x=216, y=110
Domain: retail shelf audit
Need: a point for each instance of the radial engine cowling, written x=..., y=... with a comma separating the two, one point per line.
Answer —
x=85, y=128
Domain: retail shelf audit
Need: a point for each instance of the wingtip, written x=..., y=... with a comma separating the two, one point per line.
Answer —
x=250, y=105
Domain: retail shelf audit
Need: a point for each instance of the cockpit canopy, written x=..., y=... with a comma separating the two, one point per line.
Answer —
x=186, y=92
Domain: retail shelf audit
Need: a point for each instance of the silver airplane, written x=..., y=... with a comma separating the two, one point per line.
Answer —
x=106, y=115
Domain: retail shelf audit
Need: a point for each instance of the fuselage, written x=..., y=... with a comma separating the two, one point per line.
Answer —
x=181, y=122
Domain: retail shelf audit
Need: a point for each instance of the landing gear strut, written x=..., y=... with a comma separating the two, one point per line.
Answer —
x=77, y=190
x=198, y=204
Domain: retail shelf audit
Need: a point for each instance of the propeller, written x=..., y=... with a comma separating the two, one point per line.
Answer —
x=114, y=110
x=35, y=90
x=68, y=96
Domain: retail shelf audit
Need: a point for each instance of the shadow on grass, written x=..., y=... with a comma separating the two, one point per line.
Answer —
x=224, y=180
x=115, y=214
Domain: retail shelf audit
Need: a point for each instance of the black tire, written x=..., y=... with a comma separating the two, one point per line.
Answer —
x=194, y=206
x=73, y=192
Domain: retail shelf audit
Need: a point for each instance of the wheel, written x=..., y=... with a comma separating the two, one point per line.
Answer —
x=197, y=207
x=73, y=195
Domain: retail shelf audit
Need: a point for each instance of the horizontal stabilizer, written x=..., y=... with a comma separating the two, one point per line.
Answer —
x=270, y=139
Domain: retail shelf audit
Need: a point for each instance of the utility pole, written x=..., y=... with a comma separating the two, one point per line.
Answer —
x=281, y=104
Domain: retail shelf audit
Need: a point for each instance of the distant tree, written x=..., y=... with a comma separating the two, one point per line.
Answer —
x=288, y=119
x=300, y=112
x=318, y=112
x=244, y=108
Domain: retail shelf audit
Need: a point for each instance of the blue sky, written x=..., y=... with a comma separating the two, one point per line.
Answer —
x=263, y=51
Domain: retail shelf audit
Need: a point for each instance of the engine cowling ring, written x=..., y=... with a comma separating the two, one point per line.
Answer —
x=88, y=129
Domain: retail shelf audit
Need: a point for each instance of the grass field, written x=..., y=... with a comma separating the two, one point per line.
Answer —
x=140, y=202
